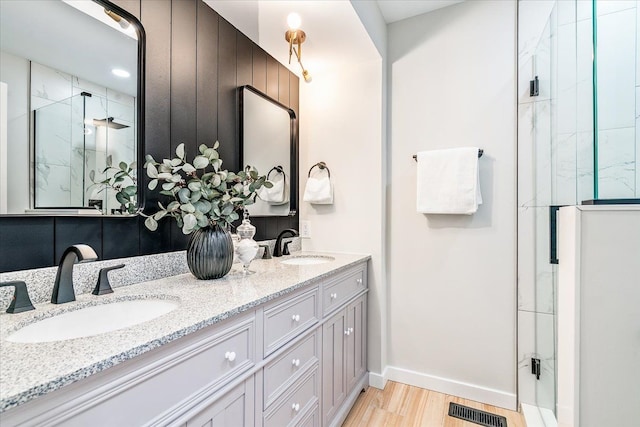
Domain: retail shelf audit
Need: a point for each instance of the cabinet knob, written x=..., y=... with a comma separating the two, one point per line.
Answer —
x=347, y=332
x=334, y=296
x=350, y=330
x=295, y=362
x=230, y=356
x=295, y=407
x=295, y=317
x=359, y=281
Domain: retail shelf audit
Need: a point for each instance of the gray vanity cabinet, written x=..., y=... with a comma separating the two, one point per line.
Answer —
x=235, y=408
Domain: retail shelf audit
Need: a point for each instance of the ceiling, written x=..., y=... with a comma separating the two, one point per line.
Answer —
x=396, y=10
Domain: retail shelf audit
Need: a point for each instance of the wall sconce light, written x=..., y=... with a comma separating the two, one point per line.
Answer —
x=295, y=37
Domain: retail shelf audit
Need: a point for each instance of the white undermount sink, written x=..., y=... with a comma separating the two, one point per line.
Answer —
x=307, y=260
x=93, y=320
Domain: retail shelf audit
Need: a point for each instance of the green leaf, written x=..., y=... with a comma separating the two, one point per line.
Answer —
x=190, y=221
x=233, y=216
x=203, y=221
x=201, y=148
x=176, y=178
x=187, y=168
x=180, y=151
x=183, y=195
x=173, y=206
x=159, y=215
x=167, y=192
x=151, y=224
x=195, y=196
x=187, y=207
x=268, y=184
x=109, y=160
x=121, y=198
x=130, y=190
x=164, y=175
x=162, y=168
x=194, y=185
x=133, y=165
x=200, y=162
x=216, y=145
x=152, y=172
x=174, y=162
x=203, y=206
x=168, y=186
x=227, y=210
x=216, y=181
x=153, y=184
x=148, y=159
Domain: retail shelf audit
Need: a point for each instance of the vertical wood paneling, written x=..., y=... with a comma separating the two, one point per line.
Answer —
x=244, y=55
x=183, y=88
x=227, y=89
x=259, y=69
x=156, y=18
x=207, y=75
x=283, y=84
x=272, y=77
x=26, y=243
x=71, y=231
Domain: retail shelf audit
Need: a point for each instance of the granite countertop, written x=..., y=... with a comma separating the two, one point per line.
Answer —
x=31, y=370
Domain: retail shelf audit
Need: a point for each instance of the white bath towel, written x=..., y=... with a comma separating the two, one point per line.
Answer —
x=319, y=191
x=448, y=181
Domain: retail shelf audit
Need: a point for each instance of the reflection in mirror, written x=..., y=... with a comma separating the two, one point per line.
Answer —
x=268, y=141
x=71, y=70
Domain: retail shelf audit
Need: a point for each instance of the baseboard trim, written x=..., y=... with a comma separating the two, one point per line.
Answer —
x=378, y=380
x=453, y=387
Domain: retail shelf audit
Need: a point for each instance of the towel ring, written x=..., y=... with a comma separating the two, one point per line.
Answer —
x=278, y=169
x=320, y=165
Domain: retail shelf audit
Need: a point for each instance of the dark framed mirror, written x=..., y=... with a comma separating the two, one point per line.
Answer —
x=72, y=133
x=269, y=142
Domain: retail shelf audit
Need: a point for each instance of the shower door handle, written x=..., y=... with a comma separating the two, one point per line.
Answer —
x=553, y=233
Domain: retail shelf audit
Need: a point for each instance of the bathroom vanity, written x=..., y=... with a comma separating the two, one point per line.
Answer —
x=283, y=346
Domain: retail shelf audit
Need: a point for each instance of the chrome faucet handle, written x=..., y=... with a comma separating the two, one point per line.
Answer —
x=267, y=252
x=20, y=301
x=103, y=286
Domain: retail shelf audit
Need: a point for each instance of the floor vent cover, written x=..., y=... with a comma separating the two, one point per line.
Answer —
x=476, y=416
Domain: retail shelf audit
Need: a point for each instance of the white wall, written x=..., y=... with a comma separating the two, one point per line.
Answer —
x=452, y=279
x=340, y=124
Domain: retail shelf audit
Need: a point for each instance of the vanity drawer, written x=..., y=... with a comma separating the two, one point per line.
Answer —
x=284, y=321
x=293, y=407
x=232, y=352
x=279, y=373
x=335, y=294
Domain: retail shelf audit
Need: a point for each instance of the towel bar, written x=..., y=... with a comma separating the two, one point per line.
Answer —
x=480, y=153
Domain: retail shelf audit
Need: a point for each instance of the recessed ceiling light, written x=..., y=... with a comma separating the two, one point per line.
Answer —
x=121, y=73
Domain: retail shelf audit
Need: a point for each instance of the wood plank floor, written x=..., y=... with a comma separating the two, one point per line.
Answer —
x=404, y=405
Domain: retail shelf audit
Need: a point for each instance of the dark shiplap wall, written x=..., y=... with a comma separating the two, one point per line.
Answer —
x=195, y=61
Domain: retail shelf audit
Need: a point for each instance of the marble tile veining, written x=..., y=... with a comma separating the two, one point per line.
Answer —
x=25, y=374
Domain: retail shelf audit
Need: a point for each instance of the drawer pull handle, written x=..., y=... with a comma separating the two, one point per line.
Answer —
x=295, y=362
x=295, y=407
x=230, y=356
x=359, y=281
x=295, y=317
x=334, y=296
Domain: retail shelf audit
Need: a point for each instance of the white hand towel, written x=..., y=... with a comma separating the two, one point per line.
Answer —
x=448, y=181
x=319, y=191
x=276, y=195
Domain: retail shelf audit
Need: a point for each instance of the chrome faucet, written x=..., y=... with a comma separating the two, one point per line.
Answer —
x=277, y=251
x=63, y=286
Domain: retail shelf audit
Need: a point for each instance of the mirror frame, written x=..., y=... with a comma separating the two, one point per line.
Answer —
x=140, y=123
x=293, y=146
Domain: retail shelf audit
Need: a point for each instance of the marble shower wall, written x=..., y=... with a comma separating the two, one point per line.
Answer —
x=555, y=167
x=69, y=151
x=618, y=95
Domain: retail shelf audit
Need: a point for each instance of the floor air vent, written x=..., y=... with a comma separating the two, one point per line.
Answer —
x=476, y=416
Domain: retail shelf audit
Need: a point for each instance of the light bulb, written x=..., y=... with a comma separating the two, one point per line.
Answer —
x=293, y=21
x=307, y=76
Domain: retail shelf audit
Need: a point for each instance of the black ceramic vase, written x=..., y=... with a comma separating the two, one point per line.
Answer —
x=210, y=253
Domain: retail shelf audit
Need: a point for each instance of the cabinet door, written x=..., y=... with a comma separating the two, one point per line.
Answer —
x=236, y=408
x=333, y=379
x=355, y=342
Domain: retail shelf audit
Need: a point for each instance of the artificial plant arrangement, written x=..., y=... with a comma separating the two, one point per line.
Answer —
x=122, y=180
x=202, y=194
